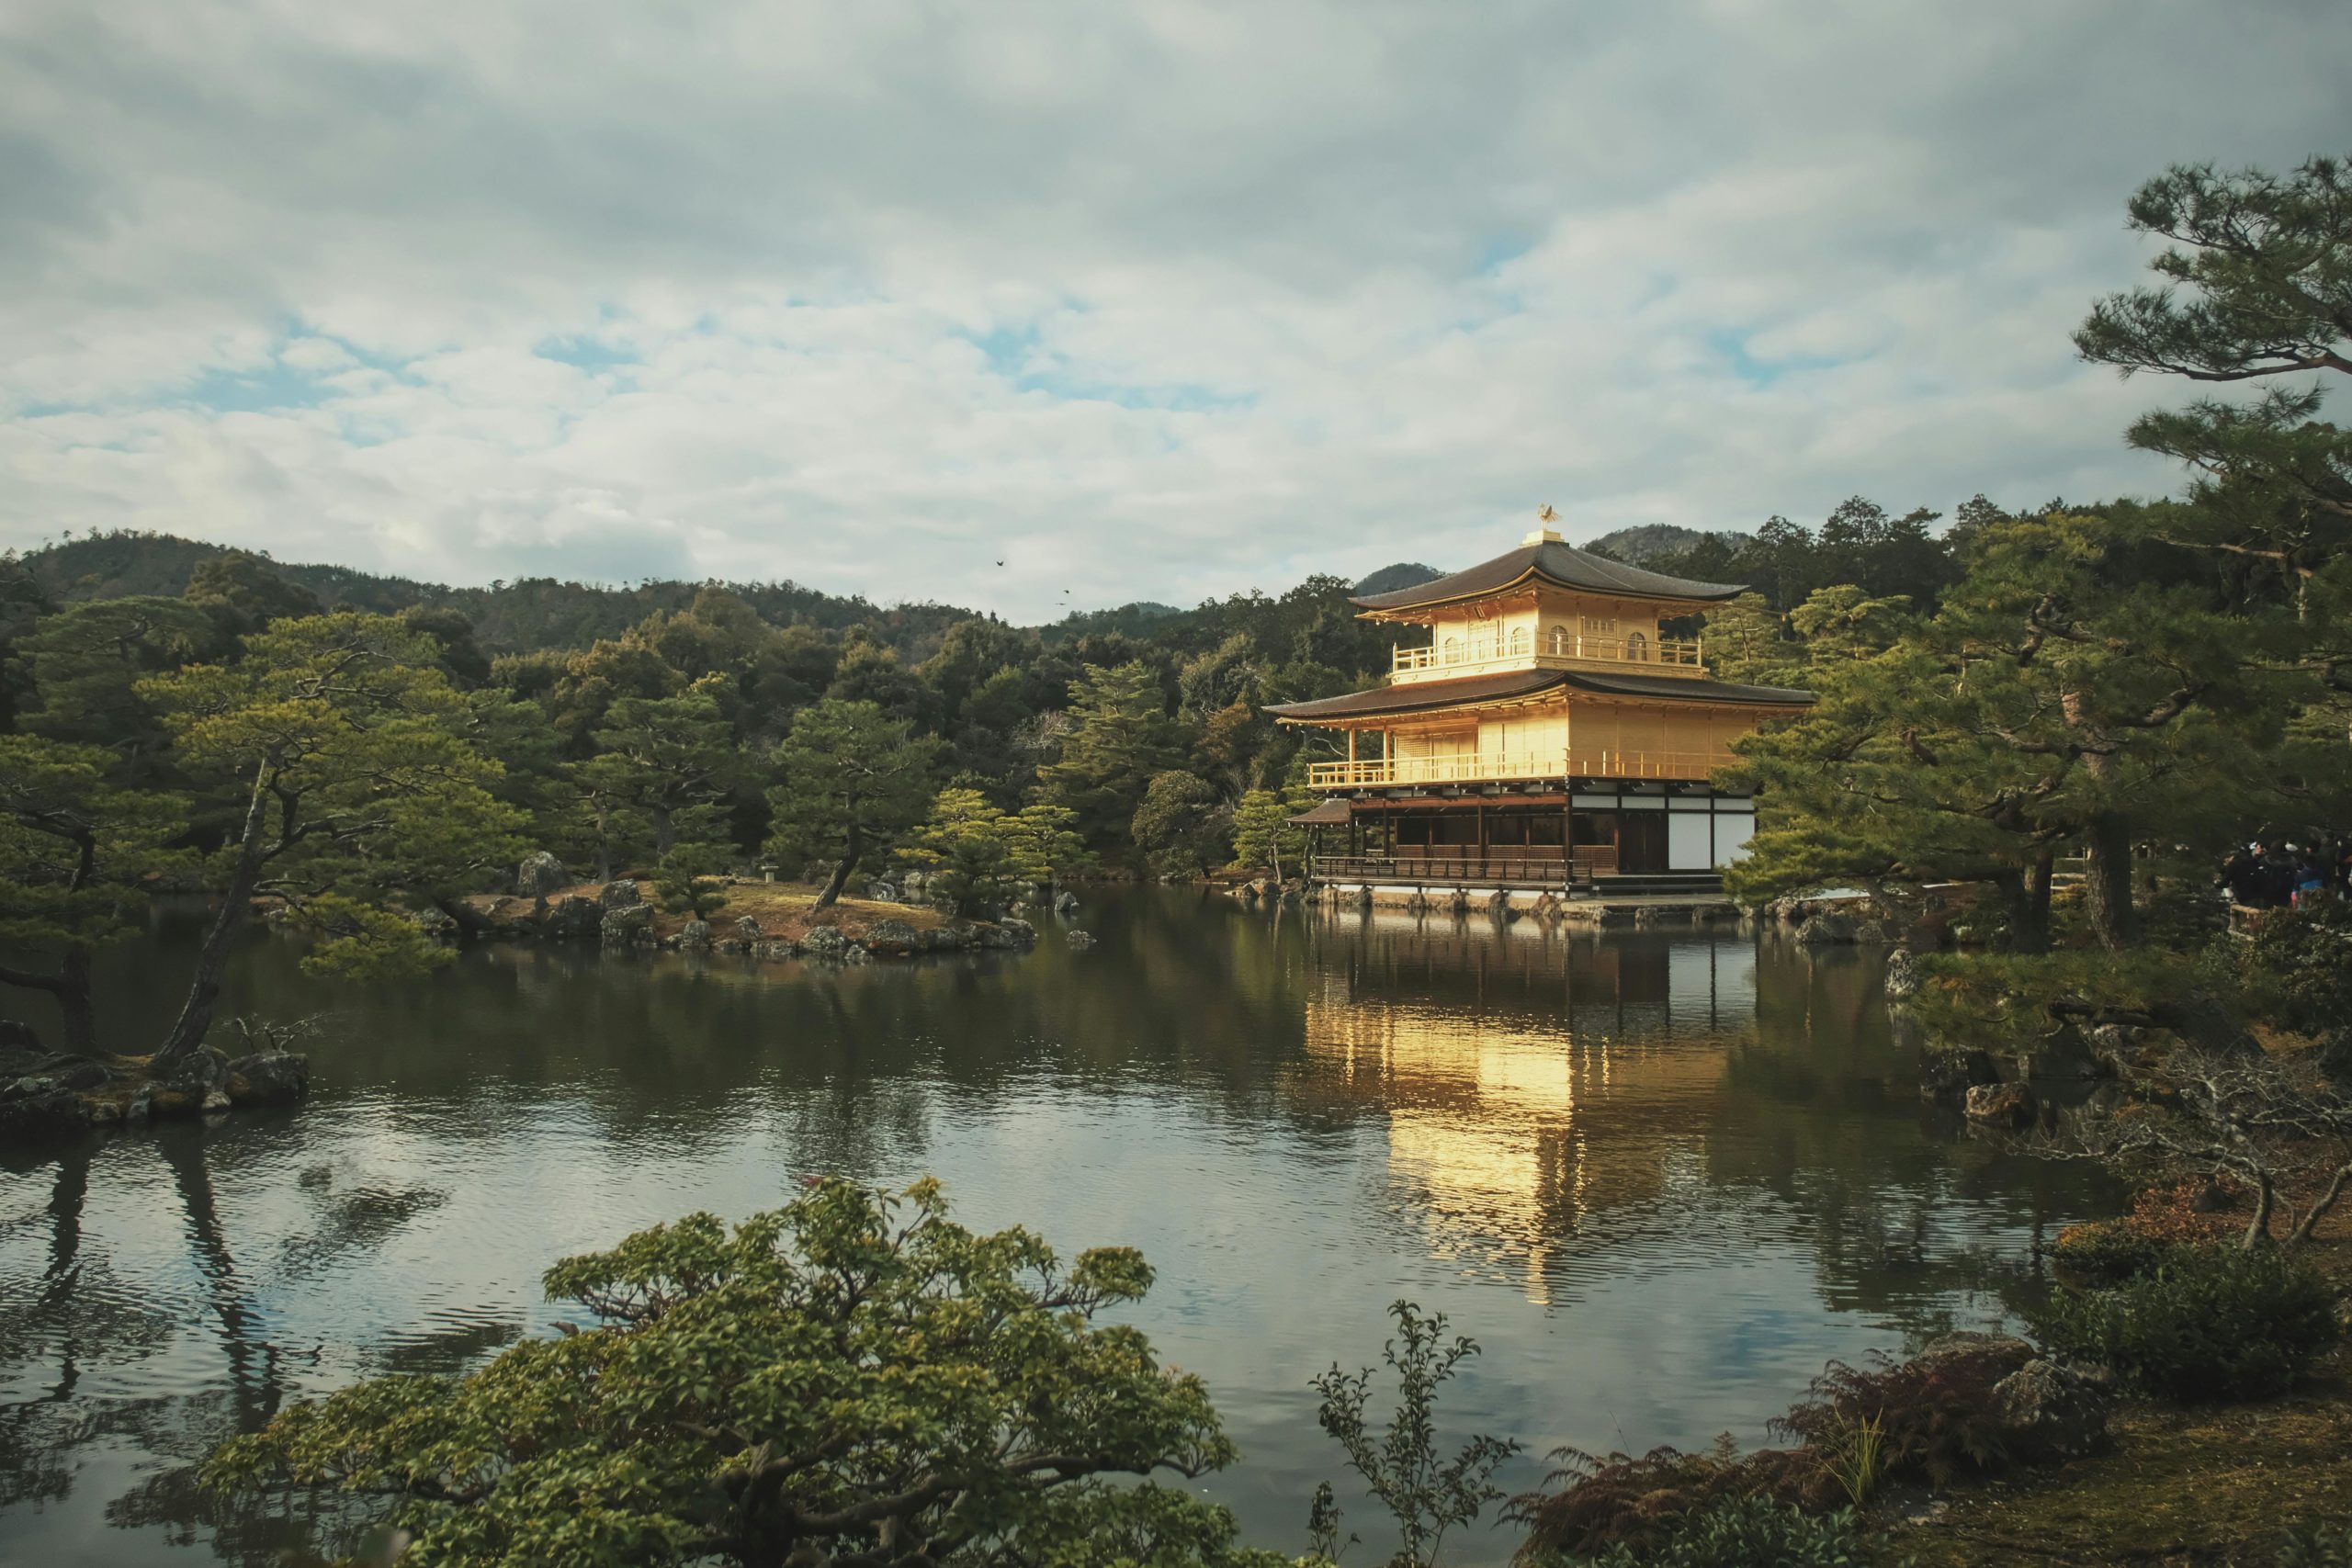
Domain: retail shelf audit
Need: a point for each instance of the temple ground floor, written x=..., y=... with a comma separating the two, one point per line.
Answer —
x=1599, y=832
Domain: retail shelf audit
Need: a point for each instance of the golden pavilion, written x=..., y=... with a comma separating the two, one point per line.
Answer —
x=1548, y=733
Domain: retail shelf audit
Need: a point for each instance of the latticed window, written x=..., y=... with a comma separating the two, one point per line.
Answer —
x=1638, y=647
x=1518, y=640
x=1560, y=641
x=1449, y=650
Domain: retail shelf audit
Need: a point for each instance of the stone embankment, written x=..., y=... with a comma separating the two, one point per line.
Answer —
x=46, y=1094
x=760, y=920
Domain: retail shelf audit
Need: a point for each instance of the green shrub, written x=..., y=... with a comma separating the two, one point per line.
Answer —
x=1743, y=1532
x=2317, y=1546
x=2207, y=1322
x=2106, y=1252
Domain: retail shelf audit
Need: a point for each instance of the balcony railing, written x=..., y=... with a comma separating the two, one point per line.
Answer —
x=1499, y=768
x=1675, y=652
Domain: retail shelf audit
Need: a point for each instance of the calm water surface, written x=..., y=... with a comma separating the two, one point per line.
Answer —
x=1660, y=1179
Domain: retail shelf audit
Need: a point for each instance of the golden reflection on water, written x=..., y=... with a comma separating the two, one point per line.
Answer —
x=1530, y=1082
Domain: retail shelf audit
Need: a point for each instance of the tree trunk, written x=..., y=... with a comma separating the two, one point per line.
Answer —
x=2107, y=857
x=74, y=1000
x=71, y=985
x=839, y=879
x=2266, y=1199
x=2303, y=1232
x=2034, y=931
x=212, y=959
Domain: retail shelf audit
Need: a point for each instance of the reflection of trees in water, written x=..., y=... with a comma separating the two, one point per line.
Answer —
x=79, y=1315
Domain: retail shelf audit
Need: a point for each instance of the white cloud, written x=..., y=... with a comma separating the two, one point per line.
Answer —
x=1147, y=301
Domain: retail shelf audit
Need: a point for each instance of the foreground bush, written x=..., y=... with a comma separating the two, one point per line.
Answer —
x=852, y=1378
x=1604, y=1503
x=1935, y=1416
x=1745, y=1532
x=2317, y=1546
x=2205, y=1323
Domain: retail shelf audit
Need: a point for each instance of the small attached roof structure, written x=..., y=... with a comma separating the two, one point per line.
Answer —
x=1545, y=557
x=1325, y=811
x=1420, y=696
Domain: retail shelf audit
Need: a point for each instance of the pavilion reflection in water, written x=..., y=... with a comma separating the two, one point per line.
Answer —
x=1545, y=1095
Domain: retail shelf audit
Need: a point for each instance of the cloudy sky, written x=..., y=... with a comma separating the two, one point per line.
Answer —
x=1142, y=299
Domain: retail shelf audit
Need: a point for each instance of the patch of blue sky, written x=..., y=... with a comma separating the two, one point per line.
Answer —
x=584, y=351
x=261, y=388
x=1060, y=383
x=1732, y=346
x=1014, y=353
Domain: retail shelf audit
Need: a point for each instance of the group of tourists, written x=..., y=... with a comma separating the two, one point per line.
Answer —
x=2277, y=875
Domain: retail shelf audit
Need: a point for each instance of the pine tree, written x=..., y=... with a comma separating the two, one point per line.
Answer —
x=854, y=781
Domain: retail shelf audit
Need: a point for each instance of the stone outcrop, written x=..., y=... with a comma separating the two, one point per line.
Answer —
x=893, y=939
x=2050, y=1411
x=628, y=925
x=1019, y=932
x=1826, y=928
x=619, y=894
x=1065, y=902
x=1902, y=975
x=1949, y=1074
x=198, y=1083
x=2047, y=1411
x=268, y=1078
x=825, y=941
x=540, y=874
x=694, y=933
x=572, y=917
x=747, y=928
x=1081, y=942
x=2001, y=1105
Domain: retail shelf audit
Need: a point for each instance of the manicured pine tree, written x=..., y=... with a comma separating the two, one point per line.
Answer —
x=852, y=781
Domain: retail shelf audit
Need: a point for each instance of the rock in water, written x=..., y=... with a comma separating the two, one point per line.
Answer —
x=1827, y=930
x=747, y=927
x=825, y=941
x=1081, y=942
x=268, y=1078
x=1902, y=974
x=438, y=924
x=694, y=933
x=628, y=924
x=1065, y=902
x=893, y=937
x=539, y=875
x=1018, y=932
x=619, y=894
x=2001, y=1104
x=198, y=1083
x=574, y=916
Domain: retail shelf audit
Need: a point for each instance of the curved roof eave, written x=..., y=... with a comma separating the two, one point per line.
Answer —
x=1558, y=563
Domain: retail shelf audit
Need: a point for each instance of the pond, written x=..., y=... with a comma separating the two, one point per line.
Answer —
x=1660, y=1179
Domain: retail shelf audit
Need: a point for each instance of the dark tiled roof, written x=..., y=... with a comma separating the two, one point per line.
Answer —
x=1425, y=694
x=1686, y=690
x=1331, y=809
x=1419, y=696
x=1558, y=563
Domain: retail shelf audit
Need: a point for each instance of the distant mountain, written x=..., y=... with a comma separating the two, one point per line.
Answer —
x=509, y=617
x=1646, y=542
x=1403, y=574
